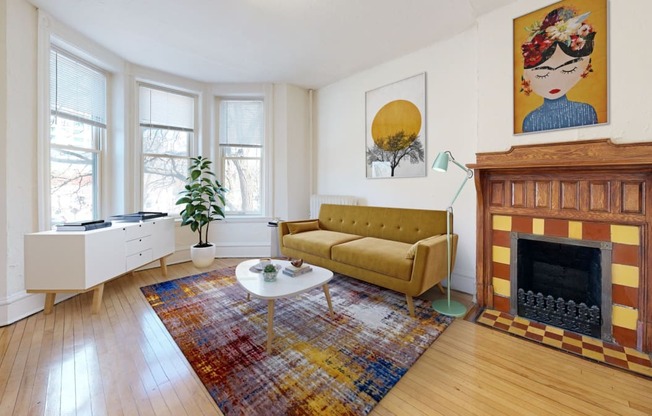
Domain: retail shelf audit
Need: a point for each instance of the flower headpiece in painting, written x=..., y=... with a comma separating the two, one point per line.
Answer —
x=562, y=27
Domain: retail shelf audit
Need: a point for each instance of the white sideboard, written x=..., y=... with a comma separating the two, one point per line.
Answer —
x=79, y=261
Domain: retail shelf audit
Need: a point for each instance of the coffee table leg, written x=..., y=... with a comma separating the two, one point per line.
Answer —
x=328, y=299
x=270, y=325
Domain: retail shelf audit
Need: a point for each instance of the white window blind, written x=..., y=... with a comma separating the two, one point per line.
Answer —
x=77, y=90
x=163, y=108
x=241, y=122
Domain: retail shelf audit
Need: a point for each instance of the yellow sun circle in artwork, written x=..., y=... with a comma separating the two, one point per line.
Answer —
x=393, y=117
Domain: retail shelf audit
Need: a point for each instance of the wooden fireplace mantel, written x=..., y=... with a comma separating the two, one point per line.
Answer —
x=595, y=182
x=599, y=152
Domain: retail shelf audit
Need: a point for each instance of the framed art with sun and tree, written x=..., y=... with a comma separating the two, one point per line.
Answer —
x=396, y=129
x=560, y=67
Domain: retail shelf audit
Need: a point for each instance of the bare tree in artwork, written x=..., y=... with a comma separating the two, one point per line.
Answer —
x=395, y=148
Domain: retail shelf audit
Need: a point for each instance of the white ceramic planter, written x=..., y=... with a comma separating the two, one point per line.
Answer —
x=270, y=276
x=202, y=256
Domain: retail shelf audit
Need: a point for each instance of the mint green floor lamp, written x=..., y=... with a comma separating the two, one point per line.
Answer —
x=447, y=306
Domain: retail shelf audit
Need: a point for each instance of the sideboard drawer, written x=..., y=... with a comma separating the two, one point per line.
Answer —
x=139, y=259
x=138, y=230
x=139, y=244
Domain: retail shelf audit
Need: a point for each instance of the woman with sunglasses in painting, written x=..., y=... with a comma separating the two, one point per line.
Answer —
x=556, y=56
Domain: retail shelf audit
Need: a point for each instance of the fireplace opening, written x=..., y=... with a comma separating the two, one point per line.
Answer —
x=562, y=282
x=560, y=270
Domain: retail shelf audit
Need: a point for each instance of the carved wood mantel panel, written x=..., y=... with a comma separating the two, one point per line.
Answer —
x=595, y=182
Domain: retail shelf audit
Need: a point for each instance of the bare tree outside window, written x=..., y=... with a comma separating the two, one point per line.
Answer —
x=242, y=167
x=165, y=167
x=72, y=185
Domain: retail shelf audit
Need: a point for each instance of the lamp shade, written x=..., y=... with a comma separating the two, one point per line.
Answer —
x=441, y=163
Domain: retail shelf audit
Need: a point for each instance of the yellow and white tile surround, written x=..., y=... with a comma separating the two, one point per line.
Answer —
x=625, y=270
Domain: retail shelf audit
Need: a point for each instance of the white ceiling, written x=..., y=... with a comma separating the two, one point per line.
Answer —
x=310, y=43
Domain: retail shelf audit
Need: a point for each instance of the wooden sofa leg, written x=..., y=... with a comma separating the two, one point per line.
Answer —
x=441, y=288
x=410, y=304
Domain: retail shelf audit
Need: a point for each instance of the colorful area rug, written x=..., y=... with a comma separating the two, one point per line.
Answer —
x=320, y=365
x=582, y=345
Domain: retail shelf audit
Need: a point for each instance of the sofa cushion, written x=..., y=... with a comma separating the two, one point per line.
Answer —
x=318, y=242
x=300, y=227
x=375, y=254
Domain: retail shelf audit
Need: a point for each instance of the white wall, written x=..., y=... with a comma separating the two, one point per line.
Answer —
x=3, y=152
x=291, y=144
x=470, y=107
x=451, y=116
x=630, y=101
x=20, y=147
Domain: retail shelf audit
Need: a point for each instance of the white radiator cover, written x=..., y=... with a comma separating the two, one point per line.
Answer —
x=317, y=200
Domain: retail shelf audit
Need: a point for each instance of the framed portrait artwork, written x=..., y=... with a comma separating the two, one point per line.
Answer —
x=396, y=129
x=560, y=67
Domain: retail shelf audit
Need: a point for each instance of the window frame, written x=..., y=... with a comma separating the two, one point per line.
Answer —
x=140, y=154
x=264, y=149
x=99, y=137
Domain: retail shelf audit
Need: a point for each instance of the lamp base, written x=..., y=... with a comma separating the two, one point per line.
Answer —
x=454, y=308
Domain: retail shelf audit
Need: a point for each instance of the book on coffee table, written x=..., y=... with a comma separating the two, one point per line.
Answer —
x=297, y=271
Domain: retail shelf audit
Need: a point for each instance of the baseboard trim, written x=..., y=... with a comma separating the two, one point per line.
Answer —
x=462, y=283
x=223, y=251
x=22, y=304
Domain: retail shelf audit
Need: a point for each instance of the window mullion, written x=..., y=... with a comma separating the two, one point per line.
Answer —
x=75, y=148
x=165, y=155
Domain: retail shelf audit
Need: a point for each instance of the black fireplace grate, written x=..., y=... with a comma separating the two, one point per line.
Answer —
x=564, y=314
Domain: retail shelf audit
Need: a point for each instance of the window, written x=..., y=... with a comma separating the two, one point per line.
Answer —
x=77, y=134
x=167, y=124
x=241, y=136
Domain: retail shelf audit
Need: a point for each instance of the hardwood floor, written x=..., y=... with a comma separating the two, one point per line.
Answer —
x=123, y=362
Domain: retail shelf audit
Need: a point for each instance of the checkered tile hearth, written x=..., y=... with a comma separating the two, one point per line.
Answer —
x=592, y=348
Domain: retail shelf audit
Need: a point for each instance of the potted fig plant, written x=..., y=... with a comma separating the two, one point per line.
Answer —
x=203, y=201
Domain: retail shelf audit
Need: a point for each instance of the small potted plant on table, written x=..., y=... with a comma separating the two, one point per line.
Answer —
x=269, y=273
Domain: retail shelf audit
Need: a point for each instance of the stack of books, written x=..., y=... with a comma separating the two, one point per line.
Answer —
x=138, y=216
x=83, y=225
x=297, y=271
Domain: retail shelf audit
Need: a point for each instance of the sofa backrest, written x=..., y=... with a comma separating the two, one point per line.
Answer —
x=397, y=224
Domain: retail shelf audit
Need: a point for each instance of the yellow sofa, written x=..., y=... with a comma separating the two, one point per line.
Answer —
x=395, y=248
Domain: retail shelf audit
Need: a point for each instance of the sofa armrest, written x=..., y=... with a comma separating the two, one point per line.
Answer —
x=430, y=265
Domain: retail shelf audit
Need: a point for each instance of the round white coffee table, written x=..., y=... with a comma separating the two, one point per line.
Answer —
x=284, y=287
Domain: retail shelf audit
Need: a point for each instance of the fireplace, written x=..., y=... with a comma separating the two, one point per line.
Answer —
x=586, y=200
x=562, y=282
